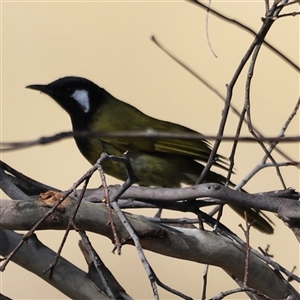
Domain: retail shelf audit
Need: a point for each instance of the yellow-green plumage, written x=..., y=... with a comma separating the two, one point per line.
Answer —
x=152, y=159
x=156, y=162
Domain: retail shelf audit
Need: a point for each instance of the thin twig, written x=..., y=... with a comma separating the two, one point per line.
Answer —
x=247, y=106
x=248, y=248
x=289, y=3
x=97, y=263
x=71, y=224
x=207, y=31
x=240, y=290
x=292, y=14
x=249, y=30
x=153, y=134
x=117, y=241
x=267, y=5
x=169, y=289
x=205, y=277
x=263, y=164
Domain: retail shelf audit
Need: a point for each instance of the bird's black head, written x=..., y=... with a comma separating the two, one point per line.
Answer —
x=80, y=97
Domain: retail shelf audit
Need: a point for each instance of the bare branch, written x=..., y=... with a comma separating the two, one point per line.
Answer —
x=191, y=244
x=249, y=30
x=36, y=257
x=274, y=11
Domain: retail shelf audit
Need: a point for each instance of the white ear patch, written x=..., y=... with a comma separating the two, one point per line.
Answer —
x=82, y=97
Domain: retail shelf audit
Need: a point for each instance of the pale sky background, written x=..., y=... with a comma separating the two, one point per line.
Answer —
x=109, y=43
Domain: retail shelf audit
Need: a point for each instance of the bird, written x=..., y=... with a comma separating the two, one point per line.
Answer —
x=156, y=162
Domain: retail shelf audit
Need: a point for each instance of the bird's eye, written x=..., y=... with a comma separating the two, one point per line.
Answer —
x=68, y=90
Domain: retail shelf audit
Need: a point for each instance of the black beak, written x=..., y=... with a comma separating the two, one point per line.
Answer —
x=38, y=87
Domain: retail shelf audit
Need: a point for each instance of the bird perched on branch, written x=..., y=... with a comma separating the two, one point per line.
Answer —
x=156, y=161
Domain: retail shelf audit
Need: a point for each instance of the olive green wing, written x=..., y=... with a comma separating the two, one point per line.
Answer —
x=120, y=116
x=197, y=149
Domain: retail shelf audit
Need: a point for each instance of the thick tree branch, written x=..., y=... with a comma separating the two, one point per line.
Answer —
x=288, y=209
x=36, y=257
x=190, y=244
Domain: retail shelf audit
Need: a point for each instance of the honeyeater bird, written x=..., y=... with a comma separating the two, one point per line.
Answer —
x=156, y=162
